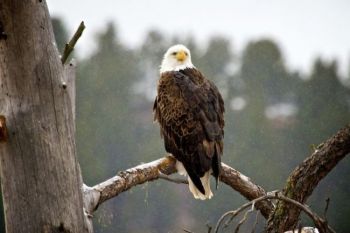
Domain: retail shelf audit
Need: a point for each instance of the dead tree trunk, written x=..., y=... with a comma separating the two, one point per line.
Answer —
x=39, y=170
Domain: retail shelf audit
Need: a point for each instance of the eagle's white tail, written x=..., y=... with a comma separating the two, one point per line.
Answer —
x=205, y=182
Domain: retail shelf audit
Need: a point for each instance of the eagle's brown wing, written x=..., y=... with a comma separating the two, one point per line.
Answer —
x=189, y=109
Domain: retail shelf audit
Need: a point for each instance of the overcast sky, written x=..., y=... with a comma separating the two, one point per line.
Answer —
x=304, y=29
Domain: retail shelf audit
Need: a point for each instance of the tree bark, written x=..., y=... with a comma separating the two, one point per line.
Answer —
x=304, y=179
x=39, y=170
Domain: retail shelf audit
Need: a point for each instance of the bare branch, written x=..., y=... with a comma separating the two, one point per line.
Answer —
x=70, y=46
x=135, y=176
x=255, y=222
x=319, y=222
x=304, y=179
x=209, y=227
x=125, y=180
x=326, y=208
x=246, y=187
x=245, y=217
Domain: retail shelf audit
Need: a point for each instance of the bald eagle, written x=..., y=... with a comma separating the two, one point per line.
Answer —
x=190, y=112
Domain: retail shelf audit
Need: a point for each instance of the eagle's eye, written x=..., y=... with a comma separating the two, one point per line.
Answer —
x=174, y=54
x=186, y=53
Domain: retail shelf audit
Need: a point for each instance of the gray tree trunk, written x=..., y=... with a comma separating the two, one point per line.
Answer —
x=39, y=171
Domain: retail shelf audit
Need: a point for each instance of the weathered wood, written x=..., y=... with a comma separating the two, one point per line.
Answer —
x=304, y=179
x=68, y=83
x=70, y=46
x=125, y=180
x=134, y=176
x=39, y=170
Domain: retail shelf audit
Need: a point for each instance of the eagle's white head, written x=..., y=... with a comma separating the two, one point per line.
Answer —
x=178, y=57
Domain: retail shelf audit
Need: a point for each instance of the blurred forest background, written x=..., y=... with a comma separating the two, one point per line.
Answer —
x=274, y=118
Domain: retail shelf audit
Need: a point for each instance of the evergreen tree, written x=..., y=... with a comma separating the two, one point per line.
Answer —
x=215, y=60
x=257, y=138
x=323, y=103
x=104, y=119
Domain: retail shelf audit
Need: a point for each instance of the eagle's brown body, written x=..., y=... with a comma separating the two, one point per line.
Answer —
x=189, y=109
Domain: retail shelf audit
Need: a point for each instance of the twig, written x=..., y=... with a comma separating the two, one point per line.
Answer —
x=256, y=221
x=70, y=46
x=234, y=213
x=172, y=179
x=209, y=227
x=326, y=208
x=319, y=222
x=243, y=219
x=229, y=221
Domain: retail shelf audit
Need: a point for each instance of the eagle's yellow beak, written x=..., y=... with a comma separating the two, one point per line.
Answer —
x=181, y=55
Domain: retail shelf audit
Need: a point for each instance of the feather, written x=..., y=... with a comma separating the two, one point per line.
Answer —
x=189, y=109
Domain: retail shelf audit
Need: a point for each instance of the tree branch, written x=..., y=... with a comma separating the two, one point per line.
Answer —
x=246, y=187
x=135, y=176
x=303, y=180
x=125, y=180
x=320, y=223
x=299, y=186
x=70, y=46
